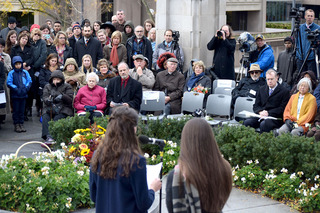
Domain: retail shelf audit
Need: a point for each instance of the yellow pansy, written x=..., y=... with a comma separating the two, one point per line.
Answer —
x=85, y=152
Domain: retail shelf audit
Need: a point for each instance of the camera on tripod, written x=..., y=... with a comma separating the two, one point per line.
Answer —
x=313, y=35
x=175, y=35
x=247, y=42
x=297, y=13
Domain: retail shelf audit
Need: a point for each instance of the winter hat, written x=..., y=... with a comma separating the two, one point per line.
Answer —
x=288, y=39
x=12, y=19
x=34, y=26
x=76, y=25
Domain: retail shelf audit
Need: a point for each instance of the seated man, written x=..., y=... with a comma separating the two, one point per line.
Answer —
x=124, y=90
x=141, y=73
x=271, y=100
x=248, y=86
x=171, y=82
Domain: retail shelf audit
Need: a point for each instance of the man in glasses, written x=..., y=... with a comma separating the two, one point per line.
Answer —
x=138, y=44
x=248, y=86
x=287, y=63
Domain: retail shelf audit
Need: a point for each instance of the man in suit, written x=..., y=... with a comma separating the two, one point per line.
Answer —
x=271, y=101
x=124, y=90
x=88, y=45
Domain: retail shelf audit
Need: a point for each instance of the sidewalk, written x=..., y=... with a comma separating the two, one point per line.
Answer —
x=239, y=202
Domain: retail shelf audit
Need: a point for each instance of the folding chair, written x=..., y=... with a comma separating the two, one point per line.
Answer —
x=218, y=105
x=152, y=101
x=223, y=83
x=223, y=90
x=242, y=103
x=190, y=102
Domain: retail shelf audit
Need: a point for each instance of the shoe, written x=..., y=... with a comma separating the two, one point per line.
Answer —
x=49, y=142
x=26, y=118
x=17, y=128
x=29, y=111
x=22, y=128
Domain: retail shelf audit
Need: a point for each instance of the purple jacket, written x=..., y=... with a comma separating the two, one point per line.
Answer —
x=90, y=97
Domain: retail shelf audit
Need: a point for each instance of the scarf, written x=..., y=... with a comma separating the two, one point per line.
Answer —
x=60, y=52
x=189, y=200
x=193, y=80
x=114, y=58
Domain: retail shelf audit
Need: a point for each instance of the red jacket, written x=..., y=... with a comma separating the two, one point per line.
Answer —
x=90, y=97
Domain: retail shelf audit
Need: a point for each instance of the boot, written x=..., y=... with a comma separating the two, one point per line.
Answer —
x=22, y=129
x=17, y=128
x=26, y=118
x=29, y=111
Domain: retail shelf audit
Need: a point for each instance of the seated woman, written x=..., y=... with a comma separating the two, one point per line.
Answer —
x=209, y=182
x=72, y=74
x=118, y=176
x=87, y=66
x=91, y=98
x=301, y=109
x=57, y=98
x=198, y=78
x=105, y=74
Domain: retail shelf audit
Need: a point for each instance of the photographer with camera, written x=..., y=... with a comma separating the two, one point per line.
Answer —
x=304, y=44
x=170, y=44
x=224, y=46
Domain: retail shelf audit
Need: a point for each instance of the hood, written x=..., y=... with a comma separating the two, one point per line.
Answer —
x=70, y=61
x=16, y=59
x=129, y=23
x=56, y=74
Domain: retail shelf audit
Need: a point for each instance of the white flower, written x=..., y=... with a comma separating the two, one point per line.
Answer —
x=271, y=171
x=69, y=199
x=243, y=179
x=230, y=159
x=235, y=178
x=300, y=173
x=27, y=205
x=237, y=167
x=146, y=155
x=284, y=170
x=170, y=152
x=249, y=162
x=45, y=170
x=256, y=161
x=81, y=173
x=63, y=145
x=68, y=205
x=174, y=145
x=316, y=177
x=39, y=189
x=154, y=157
x=293, y=176
x=313, y=188
x=305, y=193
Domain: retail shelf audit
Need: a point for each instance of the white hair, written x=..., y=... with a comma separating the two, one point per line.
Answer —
x=92, y=74
x=305, y=80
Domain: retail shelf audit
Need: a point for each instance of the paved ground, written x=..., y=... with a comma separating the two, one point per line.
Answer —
x=239, y=202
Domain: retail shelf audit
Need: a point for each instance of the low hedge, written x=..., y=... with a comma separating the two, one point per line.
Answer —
x=278, y=25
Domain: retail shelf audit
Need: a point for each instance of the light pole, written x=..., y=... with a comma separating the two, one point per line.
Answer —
x=82, y=2
x=292, y=20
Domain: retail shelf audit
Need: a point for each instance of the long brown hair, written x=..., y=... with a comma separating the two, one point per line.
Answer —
x=203, y=166
x=50, y=56
x=120, y=147
x=9, y=45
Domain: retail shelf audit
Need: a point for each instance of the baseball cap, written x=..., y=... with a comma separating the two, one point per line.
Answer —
x=260, y=36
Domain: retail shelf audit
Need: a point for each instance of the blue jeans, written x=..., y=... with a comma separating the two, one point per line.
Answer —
x=18, y=105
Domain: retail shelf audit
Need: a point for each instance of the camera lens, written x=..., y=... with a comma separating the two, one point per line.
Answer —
x=219, y=34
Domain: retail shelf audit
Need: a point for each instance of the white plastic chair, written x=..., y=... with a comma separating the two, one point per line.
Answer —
x=223, y=90
x=152, y=101
x=223, y=83
x=218, y=105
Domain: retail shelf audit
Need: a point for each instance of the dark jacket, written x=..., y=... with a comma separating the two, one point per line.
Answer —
x=126, y=36
x=247, y=88
x=172, y=85
x=2, y=75
x=27, y=54
x=4, y=32
x=51, y=91
x=121, y=50
x=205, y=81
x=275, y=103
x=122, y=194
x=105, y=79
x=223, y=58
x=287, y=66
x=72, y=42
x=18, y=80
x=39, y=53
x=68, y=52
x=93, y=48
x=132, y=93
x=146, y=50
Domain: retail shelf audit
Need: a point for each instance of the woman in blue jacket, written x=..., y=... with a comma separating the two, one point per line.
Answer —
x=118, y=181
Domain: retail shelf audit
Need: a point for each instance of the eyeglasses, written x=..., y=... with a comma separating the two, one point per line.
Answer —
x=37, y=34
x=255, y=72
x=62, y=38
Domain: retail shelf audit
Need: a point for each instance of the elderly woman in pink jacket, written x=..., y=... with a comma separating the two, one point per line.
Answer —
x=91, y=98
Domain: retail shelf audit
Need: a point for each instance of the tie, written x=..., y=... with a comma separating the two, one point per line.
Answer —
x=87, y=42
x=270, y=91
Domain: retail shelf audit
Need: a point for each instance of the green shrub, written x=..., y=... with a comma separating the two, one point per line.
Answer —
x=249, y=177
x=278, y=25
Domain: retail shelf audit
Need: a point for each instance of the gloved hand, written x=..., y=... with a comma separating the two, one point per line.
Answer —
x=90, y=108
x=289, y=124
x=48, y=102
x=57, y=99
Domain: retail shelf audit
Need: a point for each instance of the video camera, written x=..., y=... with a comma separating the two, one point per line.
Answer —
x=247, y=42
x=313, y=35
x=297, y=13
x=175, y=35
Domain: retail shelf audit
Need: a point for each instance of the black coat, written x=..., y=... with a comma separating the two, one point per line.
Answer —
x=223, y=58
x=275, y=103
x=132, y=94
x=72, y=42
x=146, y=50
x=68, y=52
x=26, y=54
x=39, y=54
x=93, y=48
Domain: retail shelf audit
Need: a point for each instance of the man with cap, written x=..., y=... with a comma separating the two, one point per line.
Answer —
x=248, y=86
x=171, y=82
x=76, y=29
x=271, y=100
x=124, y=90
x=303, y=45
x=141, y=73
x=12, y=25
x=286, y=64
x=263, y=56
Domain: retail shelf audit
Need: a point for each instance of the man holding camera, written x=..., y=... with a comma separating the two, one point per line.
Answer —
x=170, y=44
x=304, y=45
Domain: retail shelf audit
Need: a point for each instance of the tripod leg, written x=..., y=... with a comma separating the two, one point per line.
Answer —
x=304, y=63
x=316, y=57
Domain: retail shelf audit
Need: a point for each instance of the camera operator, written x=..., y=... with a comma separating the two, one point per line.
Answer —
x=263, y=56
x=170, y=44
x=304, y=45
x=224, y=46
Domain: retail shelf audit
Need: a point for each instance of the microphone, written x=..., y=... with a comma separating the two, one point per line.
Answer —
x=146, y=140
